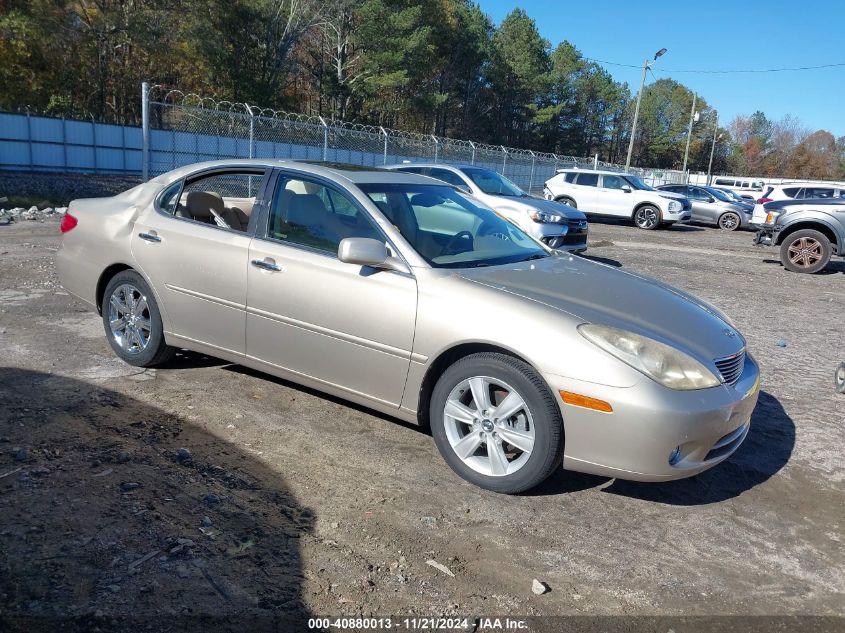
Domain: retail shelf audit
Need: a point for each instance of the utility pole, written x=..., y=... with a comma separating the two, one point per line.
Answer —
x=646, y=65
x=689, y=136
x=713, y=147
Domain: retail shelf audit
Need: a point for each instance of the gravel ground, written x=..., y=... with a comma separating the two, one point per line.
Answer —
x=286, y=504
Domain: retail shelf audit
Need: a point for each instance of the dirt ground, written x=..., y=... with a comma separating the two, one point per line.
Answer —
x=206, y=493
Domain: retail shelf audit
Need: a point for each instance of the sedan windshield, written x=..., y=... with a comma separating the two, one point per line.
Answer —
x=721, y=195
x=638, y=184
x=448, y=229
x=492, y=183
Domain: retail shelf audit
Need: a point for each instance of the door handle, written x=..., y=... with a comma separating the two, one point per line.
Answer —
x=149, y=237
x=266, y=264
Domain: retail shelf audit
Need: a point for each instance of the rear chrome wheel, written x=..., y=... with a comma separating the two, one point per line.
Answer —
x=729, y=221
x=496, y=423
x=489, y=426
x=129, y=319
x=132, y=321
x=647, y=217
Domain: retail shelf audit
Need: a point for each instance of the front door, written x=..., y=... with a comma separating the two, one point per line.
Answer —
x=704, y=206
x=311, y=314
x=615, y=199
x=197, y=267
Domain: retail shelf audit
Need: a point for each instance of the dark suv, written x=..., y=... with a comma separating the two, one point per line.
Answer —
x=809, y=232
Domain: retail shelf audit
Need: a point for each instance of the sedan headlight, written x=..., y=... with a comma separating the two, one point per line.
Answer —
x=660, y=362
x=546, y=218
x=675, y=206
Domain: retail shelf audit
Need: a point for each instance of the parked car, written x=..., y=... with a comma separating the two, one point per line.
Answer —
x=795, y=191
x=748, y=188
x=553, y=223
x=808, y=232
x=712, y=206
x=735, y=197
x=618, y=195
x=409, y=297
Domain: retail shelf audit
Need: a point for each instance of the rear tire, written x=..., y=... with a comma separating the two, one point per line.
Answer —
x=805, y=251
x=132, y=321
x=513, y=439
x=647, y=217
x=567, y=201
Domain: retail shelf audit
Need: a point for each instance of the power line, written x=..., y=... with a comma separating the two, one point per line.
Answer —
x=720, y=72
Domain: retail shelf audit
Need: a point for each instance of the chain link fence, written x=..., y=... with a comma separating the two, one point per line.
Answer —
x=180, y=129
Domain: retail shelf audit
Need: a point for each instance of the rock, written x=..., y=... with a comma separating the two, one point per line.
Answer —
x=182, y=571
x=184, y=456
x=122, y=458
x=127, y=486
x=780, y=343
x=539, y=588
x=206, y=522
x=211, y=499
x=22, y=454
x=335, y=525
x=114, y=588
x=429, y=521
x=440, y=567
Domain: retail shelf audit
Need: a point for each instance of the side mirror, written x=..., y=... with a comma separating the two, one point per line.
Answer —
x=711, y=199
x=626, y=189
x=365, y=251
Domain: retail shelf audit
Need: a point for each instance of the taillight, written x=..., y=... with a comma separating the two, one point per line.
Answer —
x=68, y=223
x=763, y=200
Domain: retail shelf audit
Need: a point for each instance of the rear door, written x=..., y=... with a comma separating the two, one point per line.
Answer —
x=311, y=314
x=196, y=267
x=585, y=192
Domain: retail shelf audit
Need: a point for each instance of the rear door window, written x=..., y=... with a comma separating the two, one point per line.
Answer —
x=588, y=180
x=792, y=192
x=448, y=176
x=818, y=192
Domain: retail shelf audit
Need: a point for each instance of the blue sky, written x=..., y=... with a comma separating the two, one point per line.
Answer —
x=712, y=35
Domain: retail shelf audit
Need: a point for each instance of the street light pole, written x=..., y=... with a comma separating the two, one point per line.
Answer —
x=646, y=65
x=689, y=136
x=713, y=147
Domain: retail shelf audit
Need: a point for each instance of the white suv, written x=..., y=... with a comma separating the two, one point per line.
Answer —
x=618, y=195
x=795, y=191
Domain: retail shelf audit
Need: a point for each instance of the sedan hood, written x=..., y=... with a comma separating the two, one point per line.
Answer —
x=599, y=293
x=546, y=206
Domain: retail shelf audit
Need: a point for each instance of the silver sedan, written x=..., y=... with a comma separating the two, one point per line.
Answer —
x=400, y=293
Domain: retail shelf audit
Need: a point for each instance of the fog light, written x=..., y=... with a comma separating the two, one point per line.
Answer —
x=675, y=456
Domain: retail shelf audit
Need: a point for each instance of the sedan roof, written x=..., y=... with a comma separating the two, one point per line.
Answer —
x=351, y=173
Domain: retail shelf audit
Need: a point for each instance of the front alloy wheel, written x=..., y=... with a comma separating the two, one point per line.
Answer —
x=647, y=217
x=496, y=423
x=729, y=221
x=489, y=426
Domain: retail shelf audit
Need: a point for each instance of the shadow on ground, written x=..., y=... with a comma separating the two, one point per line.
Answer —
x=765, y=451
x=104, y=526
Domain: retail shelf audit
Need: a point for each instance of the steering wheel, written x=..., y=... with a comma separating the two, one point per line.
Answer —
x=462, y=235
x=489, y=228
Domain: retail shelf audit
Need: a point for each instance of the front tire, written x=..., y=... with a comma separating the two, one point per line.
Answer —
x=132, y=321
x=805, y=251
x=729, y=221
x=647, y=217
x=496, y=423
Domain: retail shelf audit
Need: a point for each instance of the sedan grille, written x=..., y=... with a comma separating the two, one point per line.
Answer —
x=730, y=367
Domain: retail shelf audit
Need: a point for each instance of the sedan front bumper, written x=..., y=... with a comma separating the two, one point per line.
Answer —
x=655, y=433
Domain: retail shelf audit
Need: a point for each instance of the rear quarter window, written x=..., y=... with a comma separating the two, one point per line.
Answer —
x=791, y=191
